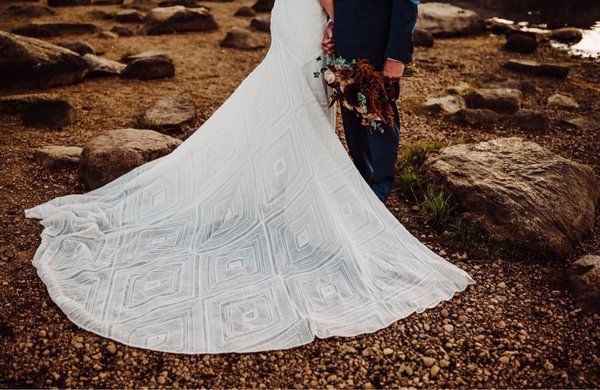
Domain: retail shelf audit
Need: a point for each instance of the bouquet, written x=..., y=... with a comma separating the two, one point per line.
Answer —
x=361, y=89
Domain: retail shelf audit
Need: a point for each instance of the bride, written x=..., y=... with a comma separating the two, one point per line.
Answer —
x=258, y=233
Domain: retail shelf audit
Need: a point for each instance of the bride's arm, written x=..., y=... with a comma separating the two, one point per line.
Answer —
x=328, y=5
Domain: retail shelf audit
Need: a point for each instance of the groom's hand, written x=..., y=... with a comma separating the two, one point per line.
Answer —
x=393, y=69
x=328, y=42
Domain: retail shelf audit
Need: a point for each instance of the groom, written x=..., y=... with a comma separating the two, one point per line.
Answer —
x=380, y=31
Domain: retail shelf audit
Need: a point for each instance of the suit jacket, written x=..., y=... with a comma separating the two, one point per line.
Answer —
x=375, y=29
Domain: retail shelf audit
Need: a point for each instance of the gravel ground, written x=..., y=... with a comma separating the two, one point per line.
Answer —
x=517, y=327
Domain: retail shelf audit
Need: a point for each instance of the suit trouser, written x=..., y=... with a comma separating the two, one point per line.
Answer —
x=374, y=153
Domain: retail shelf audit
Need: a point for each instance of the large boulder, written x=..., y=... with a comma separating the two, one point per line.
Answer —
x=241, y=39
x=538, y=69
x=31, y=63
x=56, y=29
x=584, y=279
x=500, y=100
x=171, y=113
x=520, y=193
x=263, y=5
x=117, y=152
x=442, y=19
x=165, y=20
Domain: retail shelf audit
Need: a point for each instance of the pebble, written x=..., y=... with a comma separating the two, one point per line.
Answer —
x=448, y=328
x=428, y=361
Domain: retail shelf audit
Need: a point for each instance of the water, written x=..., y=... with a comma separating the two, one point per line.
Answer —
x=545, y=15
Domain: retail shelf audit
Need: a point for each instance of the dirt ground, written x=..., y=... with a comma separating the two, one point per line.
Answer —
x=517, y=327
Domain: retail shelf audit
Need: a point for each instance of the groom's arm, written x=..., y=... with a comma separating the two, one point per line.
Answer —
x=402, y=24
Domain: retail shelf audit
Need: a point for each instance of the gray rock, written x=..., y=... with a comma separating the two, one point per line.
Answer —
x=450, y=104
x=263, y=5
x=39, y=110
x=129, y=16
x=149, y=68
x=185, y=3
x=241, y=39
x=531, y=120
x=442, y=19
x=520, y=43
x=501, y=100
x=261, y=23
x=179, y=19
x=116, y=152
x=100, y=67
x=122, y=31
x=101, y=15
x=477, y=117
x=520, y=193
x=67, y=3
x=584, y=279
x=567, y=35
x=497, y=26
x=171, y=113
x=462, y=89
x=58, y=157
x=245, y=12
x=55, y=29
x=107, y=2
x=31, y=63
x=538, y=69
x=423, y=38
x=562, y=102
x=107, y=35
x=587, y=122
x=158, y=54
x=80, y=47
x=30, y=10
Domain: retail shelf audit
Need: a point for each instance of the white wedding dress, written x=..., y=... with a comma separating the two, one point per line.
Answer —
x=255, y=234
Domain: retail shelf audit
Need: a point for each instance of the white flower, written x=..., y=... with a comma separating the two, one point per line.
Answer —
x=329, y=76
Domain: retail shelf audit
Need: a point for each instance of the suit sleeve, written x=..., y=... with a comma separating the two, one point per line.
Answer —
x=402, y=24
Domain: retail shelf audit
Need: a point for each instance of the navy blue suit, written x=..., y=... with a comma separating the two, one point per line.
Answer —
x=374, y=30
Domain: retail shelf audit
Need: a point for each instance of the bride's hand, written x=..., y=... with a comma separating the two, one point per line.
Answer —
x=328, y=42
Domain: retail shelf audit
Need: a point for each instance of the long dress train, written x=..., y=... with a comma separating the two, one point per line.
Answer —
x=257, y=233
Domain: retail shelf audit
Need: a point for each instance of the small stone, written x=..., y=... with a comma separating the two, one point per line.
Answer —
x=562, y=102
x=388, y=351
x=504, y=359
x=548, y=366
x=42, y=333
x=428, y=361
x=111, y=348
x=434, y=370
x=448, y=328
